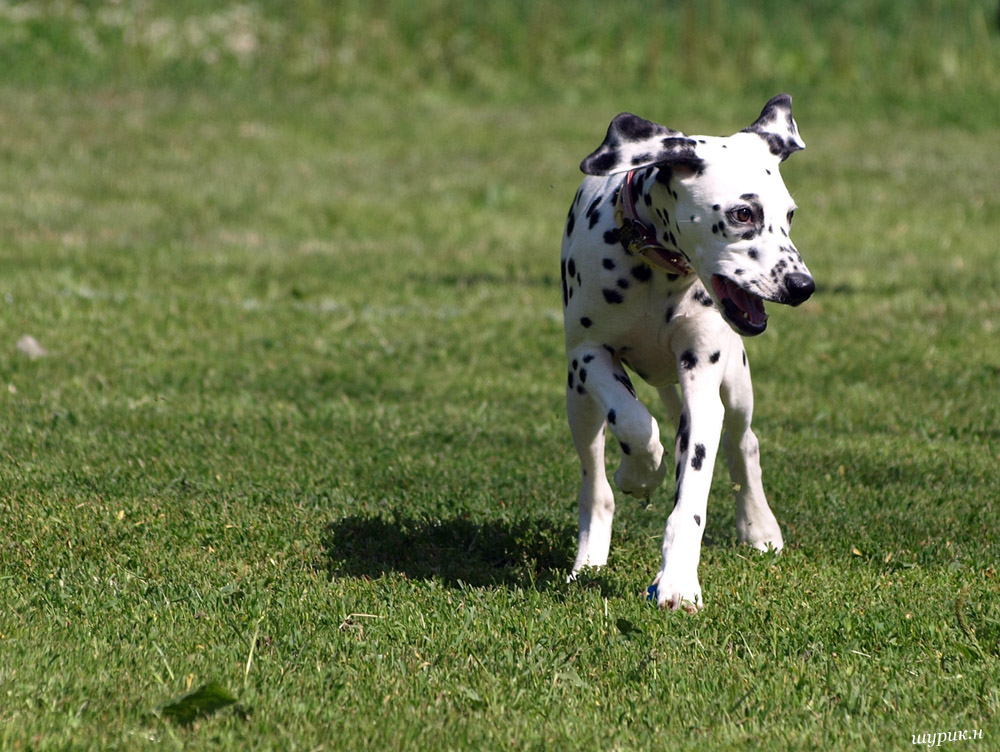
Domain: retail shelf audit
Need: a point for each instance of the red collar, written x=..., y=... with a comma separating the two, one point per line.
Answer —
x=639, y=239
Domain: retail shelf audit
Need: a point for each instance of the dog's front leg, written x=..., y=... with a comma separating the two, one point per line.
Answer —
x=599, y=394
x=676, y=586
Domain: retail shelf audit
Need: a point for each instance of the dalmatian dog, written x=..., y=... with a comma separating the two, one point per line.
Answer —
x=672, y=246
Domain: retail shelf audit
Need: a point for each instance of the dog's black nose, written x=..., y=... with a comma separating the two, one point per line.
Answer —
x=798, y=288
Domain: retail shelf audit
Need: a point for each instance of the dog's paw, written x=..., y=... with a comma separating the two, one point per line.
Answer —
x=584, y=563
x=640, y=476
x=764, y=534
x=674, y=592
x=582, y=573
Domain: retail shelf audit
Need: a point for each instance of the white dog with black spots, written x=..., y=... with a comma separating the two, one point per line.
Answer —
x=671, y=247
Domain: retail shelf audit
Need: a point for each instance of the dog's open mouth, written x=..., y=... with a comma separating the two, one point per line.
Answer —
x=742, y=309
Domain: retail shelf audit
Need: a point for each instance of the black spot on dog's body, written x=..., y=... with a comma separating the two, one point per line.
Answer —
x=682, y=434
x=623, y=283
x=714, y=357
x=626, y=449
x=571, y=268
x=642, y=272
x=569, y=380
x=585, y=322
x=565, y=288
x=592, y=213
x=583, y=375
x=704, y=298
x=570, y=222
x=612, y=416
x=697, y=520
x=699, y=456
x=612, y=296
x=588, y=357
x=625, y=381
x=608, y=263
x=613, y=237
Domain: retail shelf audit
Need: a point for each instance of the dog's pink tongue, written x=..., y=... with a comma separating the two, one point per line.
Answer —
x=749, y=304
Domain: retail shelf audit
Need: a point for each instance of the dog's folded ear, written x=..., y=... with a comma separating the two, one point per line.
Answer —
x=777, y=127
x=633, y=142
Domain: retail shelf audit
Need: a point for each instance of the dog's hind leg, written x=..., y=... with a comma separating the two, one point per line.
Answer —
x=671, y=399
x=755, y=522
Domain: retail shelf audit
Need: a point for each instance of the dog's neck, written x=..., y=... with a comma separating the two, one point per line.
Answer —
x=645, y=231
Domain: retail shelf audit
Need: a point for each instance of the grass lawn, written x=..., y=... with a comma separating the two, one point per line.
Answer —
x=299, y=429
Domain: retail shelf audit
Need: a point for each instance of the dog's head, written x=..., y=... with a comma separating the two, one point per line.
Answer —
x=721, y=202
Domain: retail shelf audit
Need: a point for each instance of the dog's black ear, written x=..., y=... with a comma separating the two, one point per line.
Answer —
x=777, y=127
x=633, y=142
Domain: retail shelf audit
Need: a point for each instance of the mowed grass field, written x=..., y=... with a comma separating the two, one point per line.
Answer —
x=297, y=429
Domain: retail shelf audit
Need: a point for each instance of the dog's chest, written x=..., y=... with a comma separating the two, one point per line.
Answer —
x=661, y=325
x=637, y=310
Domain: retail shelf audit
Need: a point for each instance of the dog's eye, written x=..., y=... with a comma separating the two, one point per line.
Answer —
x=743, y=215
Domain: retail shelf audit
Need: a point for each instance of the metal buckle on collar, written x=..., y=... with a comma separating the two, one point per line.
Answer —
x=639, y=239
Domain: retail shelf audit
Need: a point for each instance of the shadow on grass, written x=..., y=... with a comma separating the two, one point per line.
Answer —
x=495, y=553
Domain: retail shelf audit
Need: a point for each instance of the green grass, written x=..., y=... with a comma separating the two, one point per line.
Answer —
x=300, y=429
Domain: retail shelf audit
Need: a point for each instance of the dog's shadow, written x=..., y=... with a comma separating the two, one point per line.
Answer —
x=455, y=552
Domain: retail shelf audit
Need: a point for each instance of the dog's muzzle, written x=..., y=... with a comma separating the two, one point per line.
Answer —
x=744, y=310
